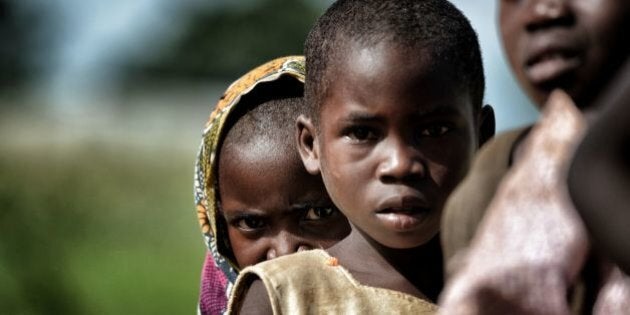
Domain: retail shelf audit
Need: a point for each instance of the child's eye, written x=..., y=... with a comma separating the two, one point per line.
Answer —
x=318, y=213
x=250, y=223
x=434, y=130
x=361, y=133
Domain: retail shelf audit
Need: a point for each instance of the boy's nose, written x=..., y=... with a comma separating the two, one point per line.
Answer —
x=401, y=162
x=286, y=243
x=541, y=14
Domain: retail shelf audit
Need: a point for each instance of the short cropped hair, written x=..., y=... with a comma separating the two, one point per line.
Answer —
x=268, y=113
x=434, y=25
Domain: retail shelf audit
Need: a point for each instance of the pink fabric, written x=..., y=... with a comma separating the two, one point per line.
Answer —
x=212, y=294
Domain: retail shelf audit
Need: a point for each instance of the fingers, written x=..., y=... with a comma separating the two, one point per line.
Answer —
x=531, y=244
x=614, y=296
x=552, y=142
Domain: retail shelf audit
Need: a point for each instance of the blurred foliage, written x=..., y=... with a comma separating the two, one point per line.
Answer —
x=229, y=41
x=87, y=228
x=24, y=48
x=96, y=230
x=14, y=35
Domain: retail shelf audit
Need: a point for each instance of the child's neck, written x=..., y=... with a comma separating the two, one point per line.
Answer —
x=416, y=271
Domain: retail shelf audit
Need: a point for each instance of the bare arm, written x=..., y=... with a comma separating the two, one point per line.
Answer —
x=256, y=300
x=599, y=178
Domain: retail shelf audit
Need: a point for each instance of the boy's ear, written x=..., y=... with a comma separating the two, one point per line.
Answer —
x=486, y=124
x=307, y=144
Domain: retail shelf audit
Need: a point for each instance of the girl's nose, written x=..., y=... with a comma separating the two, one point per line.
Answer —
x=286, y=243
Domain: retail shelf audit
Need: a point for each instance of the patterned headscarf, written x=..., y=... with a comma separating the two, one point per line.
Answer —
x=206, y=194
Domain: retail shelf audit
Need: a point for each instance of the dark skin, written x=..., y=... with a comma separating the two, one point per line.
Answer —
x=530, y=225
x=272, y=206
x=573, y=45
x=416, y=271
x=396, y=135
x=577, y=46
x=603, y=158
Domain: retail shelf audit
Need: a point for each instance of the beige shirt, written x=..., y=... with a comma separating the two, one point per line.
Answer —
x=312, y=282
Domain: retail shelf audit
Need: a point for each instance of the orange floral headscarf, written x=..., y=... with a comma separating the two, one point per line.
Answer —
x=214, y=231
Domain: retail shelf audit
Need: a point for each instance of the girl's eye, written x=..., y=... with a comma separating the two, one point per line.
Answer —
x=435, y=130
x=361, y=133
x=318, y=213
x=250, y=223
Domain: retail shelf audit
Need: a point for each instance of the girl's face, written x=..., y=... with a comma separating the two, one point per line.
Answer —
x=273, y=207
x=396, y=134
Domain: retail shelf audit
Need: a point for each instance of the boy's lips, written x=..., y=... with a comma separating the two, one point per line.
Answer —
x=550, y=65
x=403, y=213
x=551, y=57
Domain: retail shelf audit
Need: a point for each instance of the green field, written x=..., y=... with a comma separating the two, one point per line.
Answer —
x=97, y=229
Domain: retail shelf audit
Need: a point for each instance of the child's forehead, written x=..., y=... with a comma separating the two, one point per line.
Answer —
x=261, y=151
x=391, y=69
x=385, y=61
x=255, y=173
x=259, y=162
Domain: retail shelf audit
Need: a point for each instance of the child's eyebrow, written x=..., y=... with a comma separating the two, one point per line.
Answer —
x=362, y=117
x=439, y=110
x=242, y=214
x=251, y=213
x=310, y=204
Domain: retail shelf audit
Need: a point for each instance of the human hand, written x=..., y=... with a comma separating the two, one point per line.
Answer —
x=531, y=244
x=614, y=296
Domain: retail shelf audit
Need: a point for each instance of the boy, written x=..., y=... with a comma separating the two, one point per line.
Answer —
x=396, y=90
x=261, y=202
x=574, y=46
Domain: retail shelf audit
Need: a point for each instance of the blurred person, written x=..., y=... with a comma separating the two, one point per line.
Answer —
x=512, y=238
x=599, y=176
x=255, y=200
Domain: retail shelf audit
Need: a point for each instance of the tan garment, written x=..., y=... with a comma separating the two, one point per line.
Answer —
x=467, y=204
x=311, y=282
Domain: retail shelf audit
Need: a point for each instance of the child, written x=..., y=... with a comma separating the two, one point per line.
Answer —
x=396, y=90
x=575, y=46
x=254, y=198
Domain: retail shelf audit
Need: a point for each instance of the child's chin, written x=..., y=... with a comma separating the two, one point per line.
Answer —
x=409, y=240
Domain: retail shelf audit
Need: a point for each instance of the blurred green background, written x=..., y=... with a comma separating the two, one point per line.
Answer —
x=101, y=109
x=98, y=138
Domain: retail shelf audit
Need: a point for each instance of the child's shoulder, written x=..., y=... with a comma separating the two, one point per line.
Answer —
x=314, y=282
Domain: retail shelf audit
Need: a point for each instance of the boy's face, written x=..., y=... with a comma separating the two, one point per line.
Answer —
x=575, y=45
x=396, y=134
x=273, y=207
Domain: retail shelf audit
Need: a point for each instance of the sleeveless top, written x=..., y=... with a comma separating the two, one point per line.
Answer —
x=312, y=282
